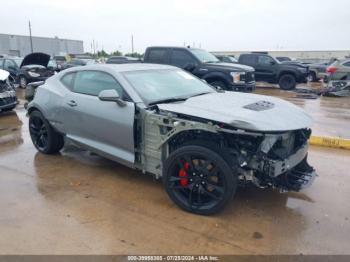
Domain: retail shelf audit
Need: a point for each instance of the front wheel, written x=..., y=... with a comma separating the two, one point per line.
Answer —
x=312, y=77
x=43, y=136
x=287, y=82
x=198, y=179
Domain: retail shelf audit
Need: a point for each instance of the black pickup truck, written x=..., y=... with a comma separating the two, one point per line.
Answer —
x=227, y=76
x=268, y=69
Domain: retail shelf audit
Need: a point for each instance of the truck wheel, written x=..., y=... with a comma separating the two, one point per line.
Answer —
x=43, y=136
x=312, y=77
x=287, y=82
x=22, y=82
x=198, y=179
x=218, y=84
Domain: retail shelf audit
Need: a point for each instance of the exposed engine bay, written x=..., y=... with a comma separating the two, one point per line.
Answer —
x=276, y=159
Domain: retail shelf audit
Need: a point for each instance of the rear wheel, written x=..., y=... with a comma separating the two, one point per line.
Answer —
x=198, y=179
x=287, y=82
x=43, y=136
x=312, y=77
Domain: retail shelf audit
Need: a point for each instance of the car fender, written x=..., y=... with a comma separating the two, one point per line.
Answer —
x=217, y=75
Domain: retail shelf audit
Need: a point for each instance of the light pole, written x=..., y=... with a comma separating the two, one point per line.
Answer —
x=30, y=37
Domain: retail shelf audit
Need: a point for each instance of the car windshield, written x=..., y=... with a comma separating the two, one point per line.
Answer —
x=52, y=63
x=18, y=61
x=204, y=56
x=166, y=84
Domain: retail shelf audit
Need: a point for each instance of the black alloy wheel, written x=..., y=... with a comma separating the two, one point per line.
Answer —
x=43, y=136
x=199, y=180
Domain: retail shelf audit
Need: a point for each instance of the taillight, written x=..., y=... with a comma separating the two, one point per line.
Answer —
x=331, y=69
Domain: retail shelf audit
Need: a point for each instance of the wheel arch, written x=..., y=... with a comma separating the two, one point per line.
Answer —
x=216, y=76
x=286, y=72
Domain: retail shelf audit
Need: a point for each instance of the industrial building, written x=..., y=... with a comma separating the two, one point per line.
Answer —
x=20, y=45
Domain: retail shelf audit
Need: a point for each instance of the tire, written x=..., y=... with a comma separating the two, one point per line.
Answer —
x=219, y=84
x=198, y=179
x=312, y=77
x=22, y=82
x=287, y=82
x=44, y=137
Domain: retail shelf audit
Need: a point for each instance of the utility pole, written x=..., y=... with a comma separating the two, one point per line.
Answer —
x=30, y=37
x=132, y=44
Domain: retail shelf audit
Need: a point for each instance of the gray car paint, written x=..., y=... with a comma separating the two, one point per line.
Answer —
x=228, y=108
x=108, y=129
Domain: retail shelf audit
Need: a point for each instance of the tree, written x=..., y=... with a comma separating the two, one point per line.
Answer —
x=116, y=53
x=102, y=53
x=135, y=54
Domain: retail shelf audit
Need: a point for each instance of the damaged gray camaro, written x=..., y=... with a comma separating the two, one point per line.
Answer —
x=159, y=119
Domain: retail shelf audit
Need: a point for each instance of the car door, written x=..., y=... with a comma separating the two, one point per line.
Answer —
x=265, y=68
x=102, y=126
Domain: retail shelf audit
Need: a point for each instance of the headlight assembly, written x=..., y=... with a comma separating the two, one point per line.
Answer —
x=236, y=77
x=33, y=74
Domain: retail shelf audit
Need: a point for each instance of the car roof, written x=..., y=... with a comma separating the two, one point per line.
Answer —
x=175, y=47
x=124, y=67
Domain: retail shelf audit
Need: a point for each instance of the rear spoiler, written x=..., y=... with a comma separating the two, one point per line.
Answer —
x=36, y=84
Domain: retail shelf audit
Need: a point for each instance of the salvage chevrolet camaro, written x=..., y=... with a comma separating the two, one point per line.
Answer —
x=159, y=119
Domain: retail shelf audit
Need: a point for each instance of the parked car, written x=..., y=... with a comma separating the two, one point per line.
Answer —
x=164, y=121
x=60, y=60
x=339, y=70
x=227, y=76
x=78, y=62
x=122, y=60
x=227, y=59
x=9, y=64
x=34, y=67
x=269, y=69
x=8, y=99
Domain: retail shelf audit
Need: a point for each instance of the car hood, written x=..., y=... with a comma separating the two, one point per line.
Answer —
x=36, y=59
x=243, y=111
x=293, y=63
x=230, y=66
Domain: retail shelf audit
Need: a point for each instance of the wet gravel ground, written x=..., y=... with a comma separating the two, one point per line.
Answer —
x=79, y=203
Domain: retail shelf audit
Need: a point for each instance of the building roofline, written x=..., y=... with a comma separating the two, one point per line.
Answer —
x=42, y=37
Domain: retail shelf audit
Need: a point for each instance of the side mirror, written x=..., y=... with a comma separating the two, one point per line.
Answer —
x=189, y=67
x=111, y=95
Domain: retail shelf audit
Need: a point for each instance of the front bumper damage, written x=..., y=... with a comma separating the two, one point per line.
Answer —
x=289, y=173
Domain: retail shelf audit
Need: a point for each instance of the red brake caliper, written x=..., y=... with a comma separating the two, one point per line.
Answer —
x=182, y=173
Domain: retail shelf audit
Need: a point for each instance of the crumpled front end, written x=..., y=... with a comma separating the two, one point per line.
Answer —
x=280, y=161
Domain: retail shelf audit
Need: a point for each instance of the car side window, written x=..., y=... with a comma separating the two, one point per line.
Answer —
x=68, y=79
x=93, y=82
x=347, y=64
x=157, y=56
x=248, y=60
x=181, y=58
x=264, y=60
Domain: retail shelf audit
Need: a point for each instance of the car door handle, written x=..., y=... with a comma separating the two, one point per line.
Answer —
x=72, y=103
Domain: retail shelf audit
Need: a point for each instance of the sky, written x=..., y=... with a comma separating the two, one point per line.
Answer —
x=215, y=25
